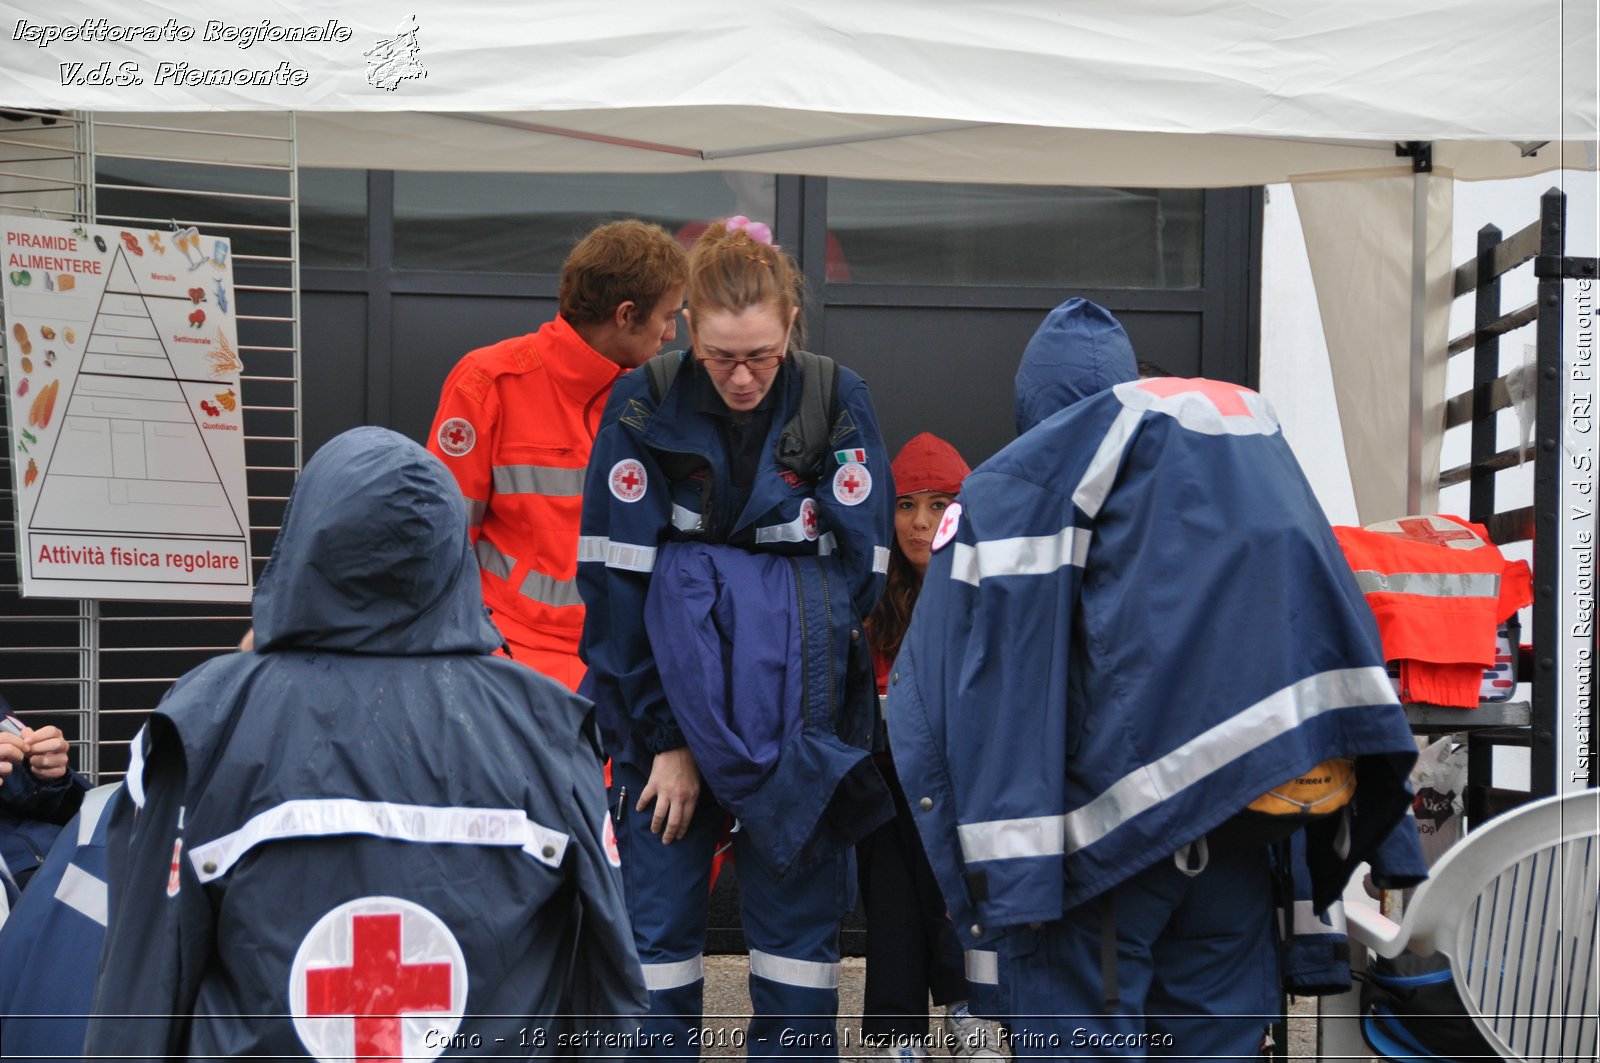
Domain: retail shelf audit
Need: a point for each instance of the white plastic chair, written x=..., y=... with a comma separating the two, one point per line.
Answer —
x=1513, y=905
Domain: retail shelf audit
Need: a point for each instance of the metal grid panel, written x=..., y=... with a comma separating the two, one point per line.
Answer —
x=98, y=668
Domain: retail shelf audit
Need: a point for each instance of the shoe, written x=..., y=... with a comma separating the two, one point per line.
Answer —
x=972, y=1038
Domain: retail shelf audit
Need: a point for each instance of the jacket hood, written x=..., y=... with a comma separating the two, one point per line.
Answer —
x=373, y=556
x=928, y=463
x=1078, y=351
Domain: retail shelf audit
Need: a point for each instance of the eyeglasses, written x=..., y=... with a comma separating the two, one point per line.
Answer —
x=758, y=363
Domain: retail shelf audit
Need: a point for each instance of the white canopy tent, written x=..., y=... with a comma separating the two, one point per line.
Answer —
x=1098, y=92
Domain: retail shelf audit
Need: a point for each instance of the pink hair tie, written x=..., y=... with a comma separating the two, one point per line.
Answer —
x=759, y=231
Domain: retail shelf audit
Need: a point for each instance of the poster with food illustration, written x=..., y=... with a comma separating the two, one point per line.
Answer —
x=126, y=424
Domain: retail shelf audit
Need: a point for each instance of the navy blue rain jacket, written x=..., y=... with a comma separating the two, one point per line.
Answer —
x=367, y=817
x=1135, y=623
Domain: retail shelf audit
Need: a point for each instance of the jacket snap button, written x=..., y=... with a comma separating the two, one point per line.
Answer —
x=925, y=804
x=209, y=866
x=854, y=634
x=549, y=851
x=977, y=930
x=895, y=678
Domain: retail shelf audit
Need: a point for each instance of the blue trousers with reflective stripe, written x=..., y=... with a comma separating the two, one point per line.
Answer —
x=1197, y=968
x=791, y=928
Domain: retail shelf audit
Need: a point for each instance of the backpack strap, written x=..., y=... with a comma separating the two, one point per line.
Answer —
x=804, y=441
x=662, y=371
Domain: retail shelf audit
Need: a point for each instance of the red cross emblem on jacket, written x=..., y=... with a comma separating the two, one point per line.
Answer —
x=366, y=966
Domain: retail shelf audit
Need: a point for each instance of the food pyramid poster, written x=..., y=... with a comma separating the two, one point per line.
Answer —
x=127, y=433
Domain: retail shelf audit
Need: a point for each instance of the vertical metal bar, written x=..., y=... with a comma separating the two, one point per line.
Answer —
x=294, y=286
x=814, y=257
x=1485, y=370
x=89, y=626
x=380, y=294
x=1419, y=293
x=1547, y=640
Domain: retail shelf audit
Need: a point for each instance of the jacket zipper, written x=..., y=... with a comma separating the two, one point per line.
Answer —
x=805, y=640
x=588, y=408
x=827, y=612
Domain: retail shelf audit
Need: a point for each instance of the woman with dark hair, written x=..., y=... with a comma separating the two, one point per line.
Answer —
x=912, y=949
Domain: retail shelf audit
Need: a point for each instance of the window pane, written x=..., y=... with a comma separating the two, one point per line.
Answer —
x=527, y=223
x=905, y=232
x=333, y=217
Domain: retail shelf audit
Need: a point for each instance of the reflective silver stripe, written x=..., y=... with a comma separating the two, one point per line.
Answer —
x=475, y=512
x=793, y=531
x=880, y=559
x=808, y=974
x=659, y=976
x=1010, y=839
x=1306, y=921
x=1102, y=471
x=1273, y=716
x=1430, y=584
x=1024, y=555
x=983, y=966
x=545, y=588
x=93, y=807
x=549, y=480
x=135, y=776
x=627, y=556
x=423, y=824
x=491, y=560
x=685, y=519
x=82, y=892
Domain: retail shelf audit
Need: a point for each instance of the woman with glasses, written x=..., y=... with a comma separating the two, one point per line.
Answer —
x=736, y=521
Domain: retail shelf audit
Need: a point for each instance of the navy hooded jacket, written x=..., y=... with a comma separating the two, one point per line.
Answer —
x=1135, y=620
x=369, y=816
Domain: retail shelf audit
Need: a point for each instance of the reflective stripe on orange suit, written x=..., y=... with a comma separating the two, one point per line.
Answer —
x=532, y=403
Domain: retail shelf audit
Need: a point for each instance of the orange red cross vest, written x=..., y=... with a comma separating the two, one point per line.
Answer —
x=515, y=425
x=1439, y=590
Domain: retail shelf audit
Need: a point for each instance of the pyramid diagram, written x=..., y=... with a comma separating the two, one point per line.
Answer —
x=131, y=455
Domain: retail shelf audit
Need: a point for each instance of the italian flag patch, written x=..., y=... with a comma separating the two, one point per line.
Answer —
x=846, y=456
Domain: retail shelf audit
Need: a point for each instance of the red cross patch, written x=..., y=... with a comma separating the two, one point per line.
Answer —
x=852, y=484
x=380, y=979
x=1438, y=531
x=808, y=518
x=947, y=525
x=609, y=839
x=628, y=481
x=457, y=436
x=1211, y=407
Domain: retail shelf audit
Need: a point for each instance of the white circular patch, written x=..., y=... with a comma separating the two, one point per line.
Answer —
x=377, y=977
x=852, y=484
x=947, y=525
x=609, y=838
x=808, y=518
x=457, y=437
x=628, y=480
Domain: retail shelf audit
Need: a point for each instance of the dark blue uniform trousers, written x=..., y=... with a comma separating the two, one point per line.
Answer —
x=790, y=926
x=1196, y=967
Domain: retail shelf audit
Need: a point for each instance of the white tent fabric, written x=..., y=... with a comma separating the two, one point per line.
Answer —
x=1363, y=278
x=1122, y=92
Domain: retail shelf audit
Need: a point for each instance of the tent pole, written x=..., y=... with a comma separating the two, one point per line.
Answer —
x=1421, y=154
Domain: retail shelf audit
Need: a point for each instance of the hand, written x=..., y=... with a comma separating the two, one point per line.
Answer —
x=674, y=786
x=47, y=752
x=13, y=748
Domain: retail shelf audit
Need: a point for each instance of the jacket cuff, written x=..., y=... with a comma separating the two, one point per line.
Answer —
x=663, y=739
x=1012, y=893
